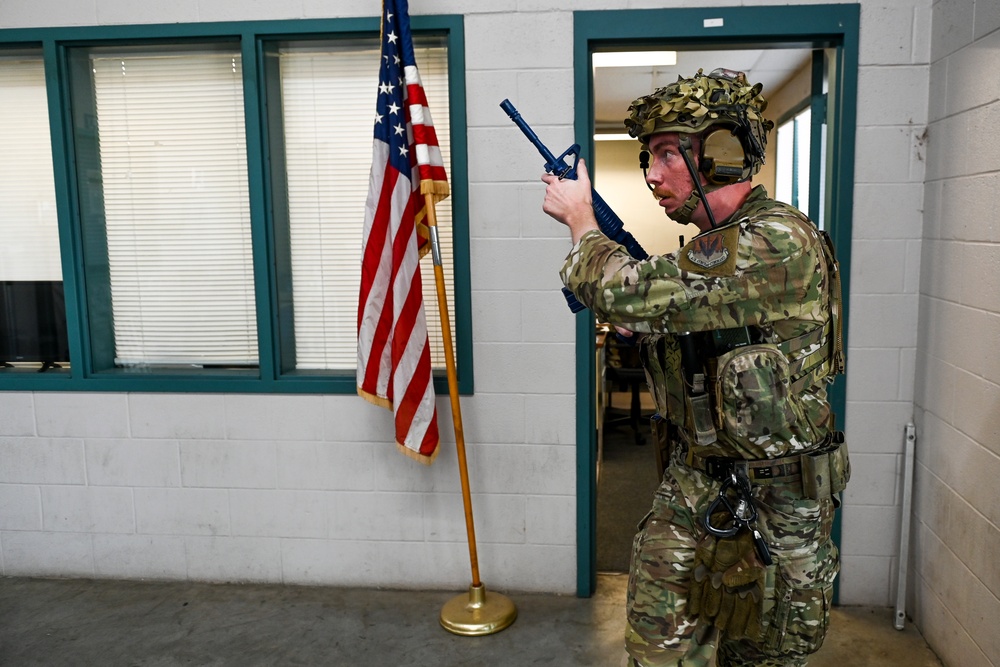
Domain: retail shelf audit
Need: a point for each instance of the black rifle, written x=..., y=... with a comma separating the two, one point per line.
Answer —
x=611, y=225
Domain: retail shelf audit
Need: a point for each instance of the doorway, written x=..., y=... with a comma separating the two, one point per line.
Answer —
x=626, y=475
x=812, y=47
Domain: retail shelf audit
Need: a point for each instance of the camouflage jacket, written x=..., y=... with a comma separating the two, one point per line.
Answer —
x=766, y=267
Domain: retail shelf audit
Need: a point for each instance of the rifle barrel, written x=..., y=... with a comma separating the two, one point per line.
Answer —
x=515, y=115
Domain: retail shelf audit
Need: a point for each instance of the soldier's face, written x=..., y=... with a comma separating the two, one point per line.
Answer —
x=668, y=173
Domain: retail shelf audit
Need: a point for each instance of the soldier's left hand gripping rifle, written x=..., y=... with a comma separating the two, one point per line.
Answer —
x=611, y=225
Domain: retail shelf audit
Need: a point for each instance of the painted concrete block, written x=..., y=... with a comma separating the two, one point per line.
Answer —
x=80, y=415
x=887, y=34
x=528, y=469
x=87, y=509
x=874, y=530
x=953, y=25
x=234, y=559
x=375, y=516
x=326, y=465
x=42, y=461
x=526, y=368
x=901, y=91
x=864, y=580
x=274, y=513
x=518, y=38
x=27, y=554
x=183, y=416
x=270, y=417
x=140, y=557
x=133, y=462
x=496, y=316
x=883, y=155
x=20, y=507
x=182, y=511
x=228, y=464
x=17, y=414
x=547, y=520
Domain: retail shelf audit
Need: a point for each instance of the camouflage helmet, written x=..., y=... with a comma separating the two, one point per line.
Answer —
x=691, y=106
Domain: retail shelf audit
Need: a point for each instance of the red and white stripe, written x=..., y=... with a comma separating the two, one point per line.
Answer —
x=394, y=357
x=394, y=361
x=427, y=150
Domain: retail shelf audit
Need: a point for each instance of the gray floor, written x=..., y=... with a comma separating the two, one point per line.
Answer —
x=81, y=622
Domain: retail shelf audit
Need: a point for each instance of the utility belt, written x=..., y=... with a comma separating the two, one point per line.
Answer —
x=821, y=472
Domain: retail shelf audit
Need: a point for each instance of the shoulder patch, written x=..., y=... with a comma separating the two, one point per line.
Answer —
x=713, y=253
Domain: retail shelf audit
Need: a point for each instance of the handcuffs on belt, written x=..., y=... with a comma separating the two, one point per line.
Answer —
x=744, y=513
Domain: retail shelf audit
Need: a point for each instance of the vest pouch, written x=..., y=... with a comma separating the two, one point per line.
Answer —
x=796, y=614
x=753, y=396
x=826, y=472
x=701, y=418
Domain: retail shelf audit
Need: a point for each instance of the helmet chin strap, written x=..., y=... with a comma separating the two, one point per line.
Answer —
x=684, y=213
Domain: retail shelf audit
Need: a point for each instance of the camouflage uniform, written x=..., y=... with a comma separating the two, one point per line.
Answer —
x=766, y=267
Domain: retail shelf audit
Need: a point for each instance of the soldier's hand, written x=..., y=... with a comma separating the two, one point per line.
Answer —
x=570, y=201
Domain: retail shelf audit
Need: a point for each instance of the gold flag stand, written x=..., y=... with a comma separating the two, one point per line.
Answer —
x=479, y=612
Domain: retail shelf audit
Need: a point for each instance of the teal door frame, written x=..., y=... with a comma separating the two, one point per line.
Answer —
x=832, y=27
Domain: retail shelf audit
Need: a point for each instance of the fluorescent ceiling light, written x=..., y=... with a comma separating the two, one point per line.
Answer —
x=635, y=59
x=608, y=136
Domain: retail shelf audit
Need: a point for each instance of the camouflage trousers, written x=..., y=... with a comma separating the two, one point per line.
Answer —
x=797, y=591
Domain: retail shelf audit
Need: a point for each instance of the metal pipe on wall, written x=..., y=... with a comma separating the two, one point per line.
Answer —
x=904, y=532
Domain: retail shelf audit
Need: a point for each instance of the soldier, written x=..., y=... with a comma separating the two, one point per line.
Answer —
x=739, y=332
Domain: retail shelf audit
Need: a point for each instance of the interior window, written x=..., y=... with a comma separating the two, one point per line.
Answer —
x=164, y=185
x=792, y=168
x=32, y=310
x=327, y=97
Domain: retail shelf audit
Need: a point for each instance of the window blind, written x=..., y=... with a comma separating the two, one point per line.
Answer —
x=174, y=170
x=328, y=106
x=29, y=234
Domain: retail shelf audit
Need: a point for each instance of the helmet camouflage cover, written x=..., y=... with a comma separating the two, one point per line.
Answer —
x=693, y=105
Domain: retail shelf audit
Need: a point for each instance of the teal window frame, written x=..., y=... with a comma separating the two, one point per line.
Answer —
x=89, y=332
x=797, y=131
x=834, y=27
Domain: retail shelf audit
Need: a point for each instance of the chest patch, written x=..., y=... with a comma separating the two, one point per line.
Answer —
x=713, y=253
x=708, y=252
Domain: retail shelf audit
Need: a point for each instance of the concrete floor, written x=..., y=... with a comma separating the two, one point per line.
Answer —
x=110, y=623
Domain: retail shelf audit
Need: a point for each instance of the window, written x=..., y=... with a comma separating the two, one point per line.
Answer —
x=213, y=187
x=325, y=92
x=32, y=311
x=164, y=127
x=792, y=167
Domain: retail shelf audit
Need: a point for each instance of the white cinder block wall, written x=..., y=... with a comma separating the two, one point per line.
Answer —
x=307, y=489
x=956, y=580
x=885, y=261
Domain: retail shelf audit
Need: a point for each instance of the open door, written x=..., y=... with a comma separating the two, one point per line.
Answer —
x=825, y=36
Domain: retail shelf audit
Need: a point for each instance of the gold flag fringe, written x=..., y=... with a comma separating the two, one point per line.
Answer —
x=417, y=456
x=377, y=400
x=439, y=189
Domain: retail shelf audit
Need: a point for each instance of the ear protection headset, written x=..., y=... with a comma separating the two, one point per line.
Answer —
x=722, y=157
x=725, y=155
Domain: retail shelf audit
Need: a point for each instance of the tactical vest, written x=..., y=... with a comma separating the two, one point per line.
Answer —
x=759, y=398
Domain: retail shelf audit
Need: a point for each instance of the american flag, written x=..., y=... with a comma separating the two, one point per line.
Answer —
x=394, y=357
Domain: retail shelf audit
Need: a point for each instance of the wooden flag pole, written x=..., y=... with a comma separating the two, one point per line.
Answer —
x=476, y=613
